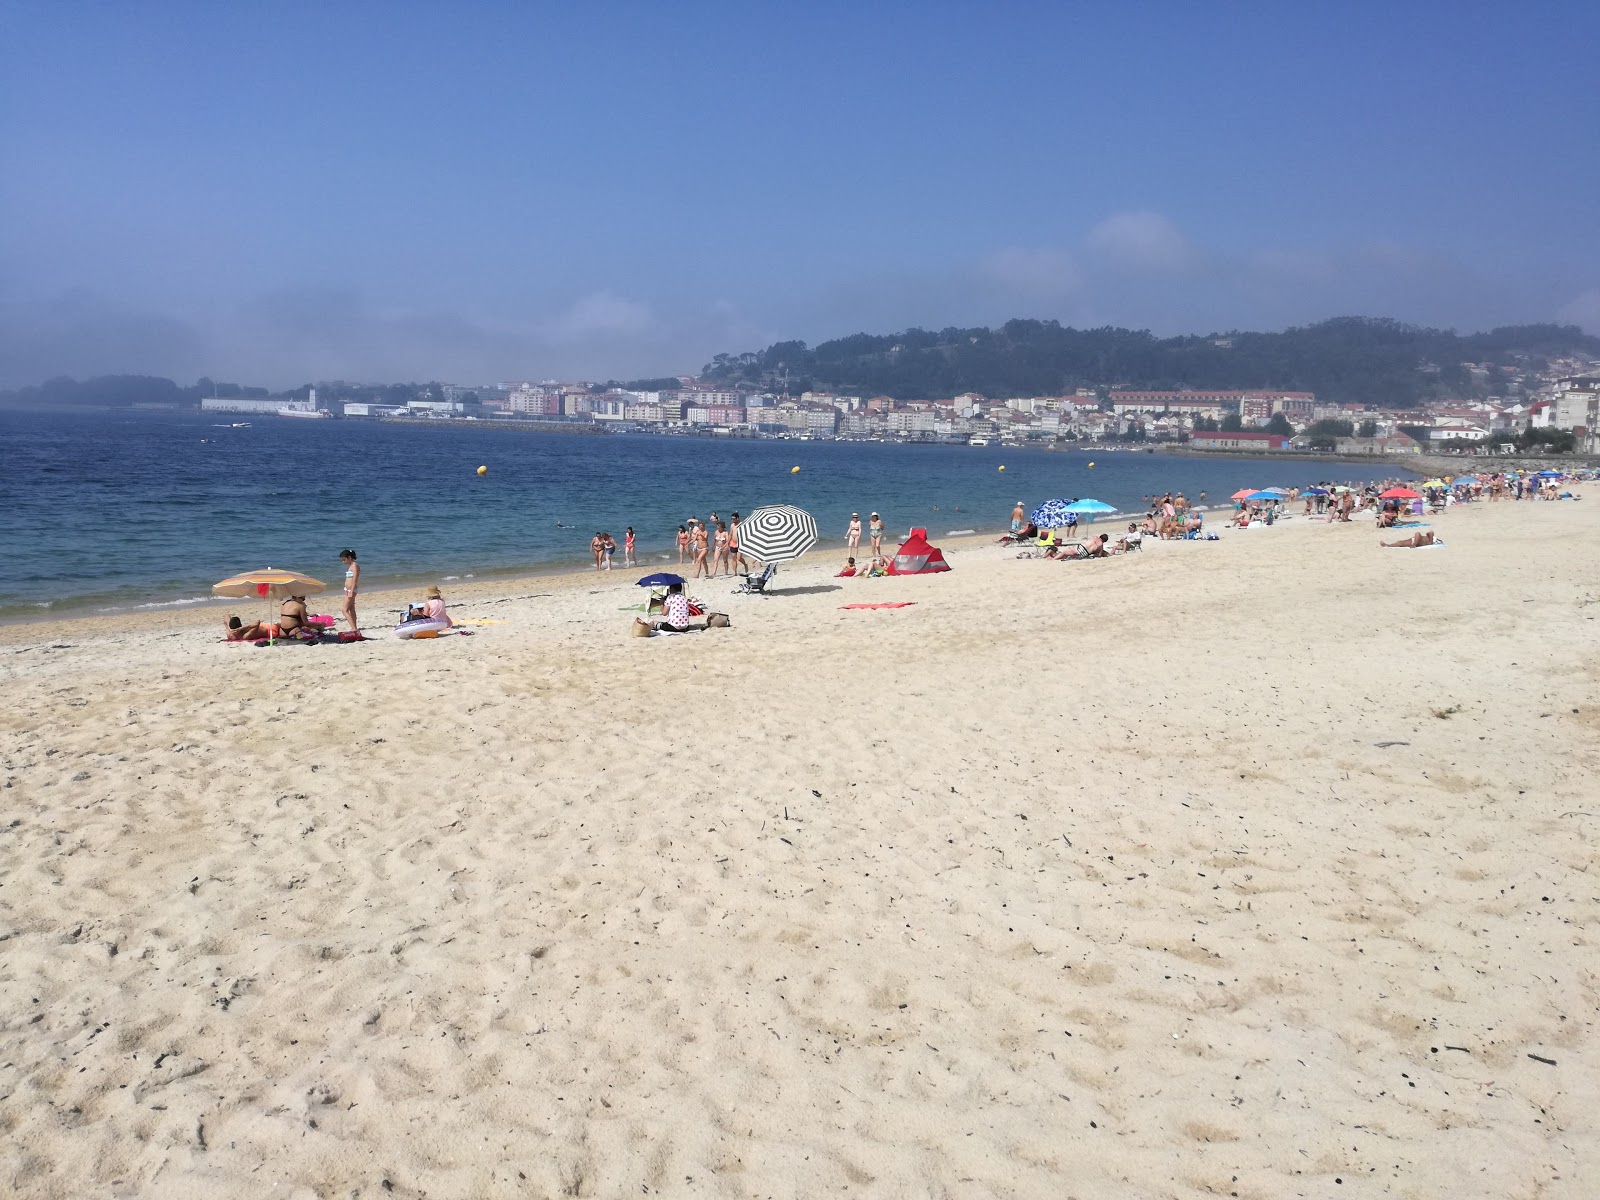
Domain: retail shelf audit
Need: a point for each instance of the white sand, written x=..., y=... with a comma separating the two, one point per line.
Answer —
x=1176, y=875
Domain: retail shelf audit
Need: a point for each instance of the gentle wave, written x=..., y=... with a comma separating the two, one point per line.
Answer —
x=184, y=603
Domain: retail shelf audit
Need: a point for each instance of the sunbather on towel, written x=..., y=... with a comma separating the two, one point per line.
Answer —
x=237, y=631
x=1421, y=538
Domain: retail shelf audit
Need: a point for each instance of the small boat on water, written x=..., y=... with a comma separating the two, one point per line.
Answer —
x=977, y=441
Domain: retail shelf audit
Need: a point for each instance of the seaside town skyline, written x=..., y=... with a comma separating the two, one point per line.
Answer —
x=1564, y=397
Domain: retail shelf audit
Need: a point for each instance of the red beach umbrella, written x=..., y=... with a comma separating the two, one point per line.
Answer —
x=1400, y=493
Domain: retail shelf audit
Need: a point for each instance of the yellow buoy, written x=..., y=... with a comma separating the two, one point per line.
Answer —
x=794, y=470
x=483, y=470
x=1002, y=466
x=1091, y=464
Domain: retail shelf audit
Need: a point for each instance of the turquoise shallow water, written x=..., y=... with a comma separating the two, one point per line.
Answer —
x=119, y=510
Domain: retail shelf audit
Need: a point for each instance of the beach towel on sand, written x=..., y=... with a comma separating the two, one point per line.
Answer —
x=885, y=604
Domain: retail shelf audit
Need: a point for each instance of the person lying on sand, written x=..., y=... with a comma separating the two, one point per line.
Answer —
x=1421, y=538
x=237, y=631
x=1093, y=548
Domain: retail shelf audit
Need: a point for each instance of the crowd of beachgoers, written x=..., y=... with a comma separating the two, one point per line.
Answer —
x=712, y=547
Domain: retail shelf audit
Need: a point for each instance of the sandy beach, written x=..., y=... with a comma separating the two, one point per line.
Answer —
x=1258, y=868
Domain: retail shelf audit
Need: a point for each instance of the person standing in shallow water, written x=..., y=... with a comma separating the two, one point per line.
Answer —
x=352, y=582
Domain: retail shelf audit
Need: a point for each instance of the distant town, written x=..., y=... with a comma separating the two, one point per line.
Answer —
x=1557, y=409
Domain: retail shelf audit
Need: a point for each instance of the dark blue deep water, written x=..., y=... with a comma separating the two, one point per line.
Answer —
x=115, y=510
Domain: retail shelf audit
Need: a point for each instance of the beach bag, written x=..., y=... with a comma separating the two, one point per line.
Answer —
x=718, y=621
x=642, y=628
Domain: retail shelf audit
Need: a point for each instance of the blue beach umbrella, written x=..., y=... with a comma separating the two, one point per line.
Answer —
x=1052, y=514
x=1549, y=474
x=661, y=579
x=1464, y=479
x=1264, y=496
x=1315, y=492
x=1091, y=506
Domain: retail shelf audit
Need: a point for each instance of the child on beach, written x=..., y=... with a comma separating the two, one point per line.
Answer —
x=352, y=583
x=628, y=560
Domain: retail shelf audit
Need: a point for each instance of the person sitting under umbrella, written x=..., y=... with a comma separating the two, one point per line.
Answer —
x=293, y=622
x=678, y=608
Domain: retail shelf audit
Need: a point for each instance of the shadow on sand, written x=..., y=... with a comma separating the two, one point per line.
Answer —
x=804, y=591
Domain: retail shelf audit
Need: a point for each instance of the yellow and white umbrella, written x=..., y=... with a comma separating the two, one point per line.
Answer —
x=268, y=583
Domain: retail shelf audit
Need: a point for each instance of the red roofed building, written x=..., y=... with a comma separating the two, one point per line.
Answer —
x=1239, y=441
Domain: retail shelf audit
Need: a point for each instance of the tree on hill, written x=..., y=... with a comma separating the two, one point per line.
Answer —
x=1345, y=360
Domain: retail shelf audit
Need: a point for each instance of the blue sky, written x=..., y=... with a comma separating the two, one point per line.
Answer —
x=278, y=193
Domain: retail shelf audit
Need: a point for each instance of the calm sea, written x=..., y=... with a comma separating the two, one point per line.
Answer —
x=112, y=511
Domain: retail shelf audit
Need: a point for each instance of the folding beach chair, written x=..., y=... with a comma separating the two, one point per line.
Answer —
x=758, y=583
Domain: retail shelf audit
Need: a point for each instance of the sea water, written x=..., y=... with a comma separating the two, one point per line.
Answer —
x=107, y=511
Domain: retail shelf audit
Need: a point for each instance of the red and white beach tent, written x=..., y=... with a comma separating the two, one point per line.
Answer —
x=917, y=557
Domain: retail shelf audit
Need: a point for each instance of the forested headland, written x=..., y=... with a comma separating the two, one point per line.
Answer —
x=1345, y=360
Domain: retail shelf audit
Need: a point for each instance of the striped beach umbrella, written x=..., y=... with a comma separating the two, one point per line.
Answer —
x=268, y=582
x=777, y=533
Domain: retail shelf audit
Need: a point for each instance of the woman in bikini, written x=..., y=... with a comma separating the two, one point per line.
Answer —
x=852, y=536
x=628, y=559
x=683, y=544
x=352, y=582
x=719, y=557
x=292, y=616
x=701, y=544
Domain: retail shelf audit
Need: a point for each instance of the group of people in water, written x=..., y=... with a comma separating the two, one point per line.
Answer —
x=602, y=545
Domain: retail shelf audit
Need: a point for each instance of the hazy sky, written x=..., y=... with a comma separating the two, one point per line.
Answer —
x=282, y=192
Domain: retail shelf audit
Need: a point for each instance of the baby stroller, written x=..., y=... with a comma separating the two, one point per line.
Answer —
x=758, y=583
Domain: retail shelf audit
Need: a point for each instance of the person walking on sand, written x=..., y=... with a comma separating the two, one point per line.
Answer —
x=597, y=547
x=852, y=535
x=719, y=553
x=628, y=559
x=683, y=544
x=740, y=565
x=875, y=532
x=701, y=545
x=608, y=547
x=352, y=583
x=1018, y=515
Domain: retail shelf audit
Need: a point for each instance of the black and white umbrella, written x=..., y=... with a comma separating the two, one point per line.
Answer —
x=777, y=533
